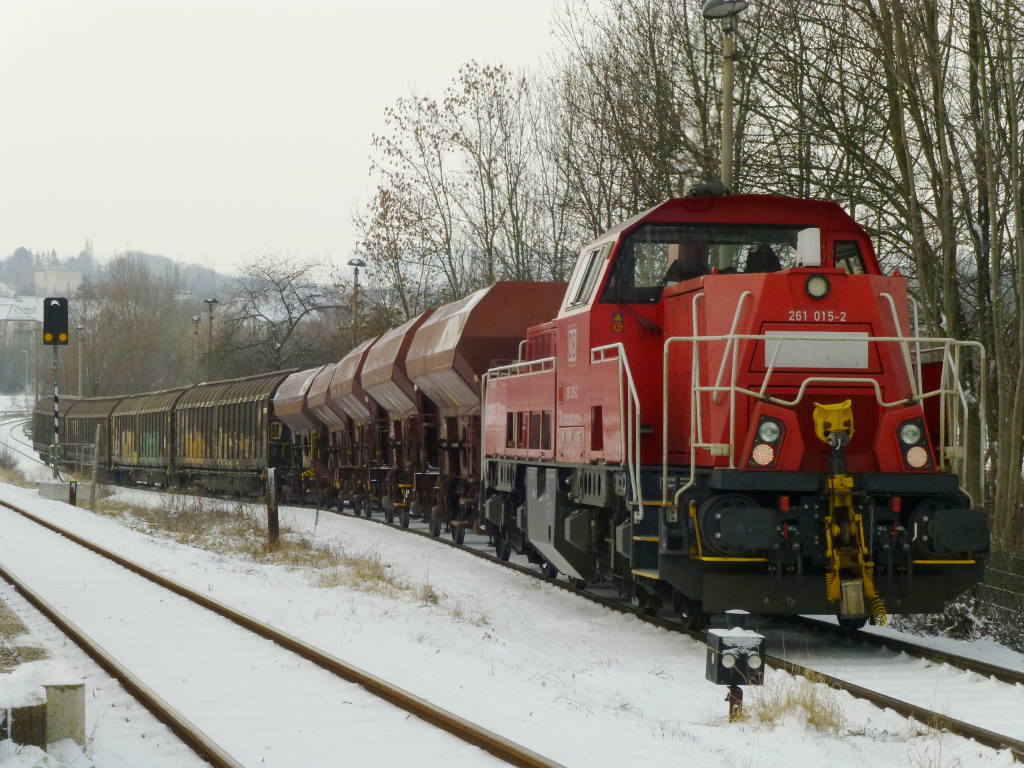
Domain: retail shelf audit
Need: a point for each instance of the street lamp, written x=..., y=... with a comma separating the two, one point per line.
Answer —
x=727, y=11
x=78, y=342
x=355, y=263
x=209, y=341
x=26, y=369
x=196, y=319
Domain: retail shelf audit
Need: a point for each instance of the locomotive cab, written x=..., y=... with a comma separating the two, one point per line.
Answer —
x=731, y=411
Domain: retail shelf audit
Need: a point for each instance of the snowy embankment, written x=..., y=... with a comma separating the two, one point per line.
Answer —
x=571, y=680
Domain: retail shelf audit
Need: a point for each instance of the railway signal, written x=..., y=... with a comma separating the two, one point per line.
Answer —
x=55, y=321
x=55, y=334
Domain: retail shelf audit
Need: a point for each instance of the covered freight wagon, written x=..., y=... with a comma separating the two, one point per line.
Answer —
x=225, y=433
x=142, y=437
x=42, y=422
x=79, y=431
x=305, y=451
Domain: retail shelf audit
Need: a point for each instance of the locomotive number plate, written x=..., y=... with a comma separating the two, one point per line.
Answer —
x=816, y=316
x=816, y=349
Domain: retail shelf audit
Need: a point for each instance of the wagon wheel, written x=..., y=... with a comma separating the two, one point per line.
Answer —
x=549, y=570
x=367, y=507
x=502, y=546
x=404, y=513
x=458, y=533
x=852, y=625
x=435, y=525
x=389, y=514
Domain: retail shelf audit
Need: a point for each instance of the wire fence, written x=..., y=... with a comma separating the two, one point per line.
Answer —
x=992, y=609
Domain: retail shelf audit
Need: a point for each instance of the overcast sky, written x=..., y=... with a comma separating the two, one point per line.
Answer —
x=214, y=131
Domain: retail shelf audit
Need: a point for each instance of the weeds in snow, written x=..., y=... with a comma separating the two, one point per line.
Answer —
x=9, y=469
x=803, y=698
x=238, y=528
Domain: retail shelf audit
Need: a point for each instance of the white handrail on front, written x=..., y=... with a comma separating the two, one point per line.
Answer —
x=729, y=344
x=951, y=390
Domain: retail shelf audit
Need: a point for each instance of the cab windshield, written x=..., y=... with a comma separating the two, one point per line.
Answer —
x=656, y=255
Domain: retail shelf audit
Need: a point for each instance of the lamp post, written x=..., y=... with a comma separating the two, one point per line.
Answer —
x=196, y=319
x=355, y=263
x=78, y=344
x=209, y=341
x=727, y=11
x=26, y=369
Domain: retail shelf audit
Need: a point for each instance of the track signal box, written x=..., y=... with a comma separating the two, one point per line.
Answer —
x=55, y=320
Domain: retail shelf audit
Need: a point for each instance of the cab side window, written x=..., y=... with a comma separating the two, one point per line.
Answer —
x=847, y=256
x=587, y=277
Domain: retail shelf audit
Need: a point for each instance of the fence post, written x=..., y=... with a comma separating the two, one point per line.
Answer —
x=273, y=523
x=95, y=465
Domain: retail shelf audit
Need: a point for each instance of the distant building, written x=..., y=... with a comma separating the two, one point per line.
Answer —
x=57, y=283
x=20, y=318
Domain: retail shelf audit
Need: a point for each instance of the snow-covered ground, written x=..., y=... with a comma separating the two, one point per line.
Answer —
x=573, y=681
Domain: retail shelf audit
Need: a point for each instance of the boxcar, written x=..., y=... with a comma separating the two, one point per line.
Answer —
x=226, y=434
x=142, y=437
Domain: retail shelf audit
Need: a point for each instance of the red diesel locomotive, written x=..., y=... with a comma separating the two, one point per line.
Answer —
x=733, y=409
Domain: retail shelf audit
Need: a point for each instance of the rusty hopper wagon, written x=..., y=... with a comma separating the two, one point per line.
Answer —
x=406, y=481
x=368, y=439
x=291, y=407
x=335, y=430
x=449, y=355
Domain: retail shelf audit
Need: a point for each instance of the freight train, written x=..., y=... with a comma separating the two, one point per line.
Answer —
x=728, y=405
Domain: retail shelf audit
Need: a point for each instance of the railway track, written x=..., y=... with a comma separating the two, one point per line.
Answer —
x=923, y=715
x=465, y=730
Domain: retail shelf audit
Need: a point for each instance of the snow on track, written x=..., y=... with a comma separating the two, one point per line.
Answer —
x=569, y=679
x=262, y=704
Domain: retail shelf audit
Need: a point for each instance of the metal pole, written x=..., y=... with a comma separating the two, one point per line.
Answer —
x=26, y=369
x=79, y=345
x=728, y=51
x=209, y=342
x=355, y=309
x=95, y=465
x=273, y=522
x=56, y=414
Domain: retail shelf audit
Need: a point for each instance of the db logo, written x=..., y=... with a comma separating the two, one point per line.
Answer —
x=617, y=322
x=571, y=351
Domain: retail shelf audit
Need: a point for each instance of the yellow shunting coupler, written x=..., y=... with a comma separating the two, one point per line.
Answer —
x=850, y=580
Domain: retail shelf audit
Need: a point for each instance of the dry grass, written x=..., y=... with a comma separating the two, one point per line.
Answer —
x=239, y=529
x=9, y=469
x=804, y=699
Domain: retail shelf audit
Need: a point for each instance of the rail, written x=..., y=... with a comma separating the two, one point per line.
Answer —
x=461, y=728
x=955, y=426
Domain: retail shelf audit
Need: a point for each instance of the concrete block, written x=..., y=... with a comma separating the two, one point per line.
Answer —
x=65, y=712
x=62, y=492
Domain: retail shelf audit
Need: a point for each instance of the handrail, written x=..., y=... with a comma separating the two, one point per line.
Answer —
x=632, y=421
x=729, y=344
x=947, y=390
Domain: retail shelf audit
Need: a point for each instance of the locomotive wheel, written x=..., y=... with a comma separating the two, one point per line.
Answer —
x=458, y=533
x=502, y=546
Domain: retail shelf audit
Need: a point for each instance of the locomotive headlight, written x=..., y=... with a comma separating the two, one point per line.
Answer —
x=817, y=286
x=763, y=454
x=917, y=457
x=910, y=433
x=769, y=431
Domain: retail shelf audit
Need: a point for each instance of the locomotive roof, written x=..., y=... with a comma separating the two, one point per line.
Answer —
x=769, y=210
